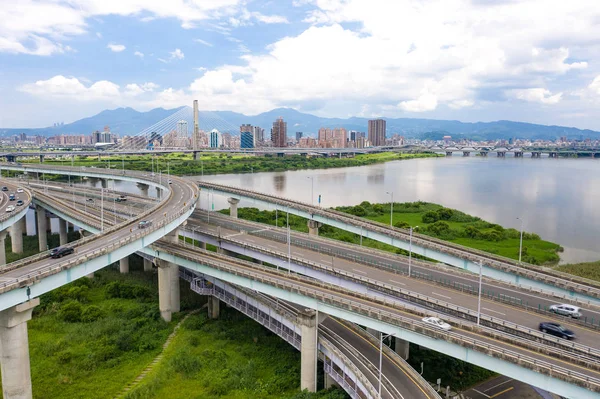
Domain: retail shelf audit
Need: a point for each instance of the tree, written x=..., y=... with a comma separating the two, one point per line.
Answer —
x=430, y=217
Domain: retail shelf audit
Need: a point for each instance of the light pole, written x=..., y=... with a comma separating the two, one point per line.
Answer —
x=479, y=296
x=312, y=189
x=410, y=250
x=382, y=337
x=101, y=208
x=391, y=207
x=521, y=241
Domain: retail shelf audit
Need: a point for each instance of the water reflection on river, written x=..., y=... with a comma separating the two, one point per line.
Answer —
x=556, y=197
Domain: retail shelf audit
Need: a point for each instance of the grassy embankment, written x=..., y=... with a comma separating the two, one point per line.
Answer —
x=443, y=223
x=90, y=338
x=589, y=270
x=183, y=164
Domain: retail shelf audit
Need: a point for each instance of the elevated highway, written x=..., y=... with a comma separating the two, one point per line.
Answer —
x=494, y=266
x=540, y=364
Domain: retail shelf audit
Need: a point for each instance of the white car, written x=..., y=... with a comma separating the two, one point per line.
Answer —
x=438, y=323
x=566, y=310
x=10, y=208
x=19, y=190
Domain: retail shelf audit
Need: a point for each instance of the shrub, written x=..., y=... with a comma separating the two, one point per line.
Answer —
x=358, y=211
x=472, y=232
x=439, y=228
x=70, y=312
x=185, y=363
x=402, y=225
x=430, y=217
x=378, y=208
x=91, y=313
x=444, y=214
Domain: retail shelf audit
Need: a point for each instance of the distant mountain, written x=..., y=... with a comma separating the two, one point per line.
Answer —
x=129, y=121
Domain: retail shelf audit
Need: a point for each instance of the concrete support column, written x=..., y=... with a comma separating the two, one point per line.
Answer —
x=104, y=183
x=124, y=265
x=14, y=351
x=175, y=294
x=308, y=350
x=143, y=188
x=213, y=307
x=3, y=247
x=62, y=231
x=233, y=203
x=202, y=245
x=40, y=214
x=16, y=237
x=164, y=289
x=147, y=265
x=48, y=224
x=158, y=192
x=313, y=227
x=401, y=347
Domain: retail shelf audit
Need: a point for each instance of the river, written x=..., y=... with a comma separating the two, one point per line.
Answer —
x=555, y=197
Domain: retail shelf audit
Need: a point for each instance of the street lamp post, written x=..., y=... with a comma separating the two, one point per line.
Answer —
x=410, y=250
x=312, y=189
x=289, y=241
x=382, y=337
x=391, y=193
x=521, y=241
x=101, y=208
x=479, y=294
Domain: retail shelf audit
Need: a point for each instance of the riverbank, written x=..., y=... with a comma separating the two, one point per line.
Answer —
x=183, y=164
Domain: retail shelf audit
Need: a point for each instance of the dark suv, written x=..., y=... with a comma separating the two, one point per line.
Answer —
x=557, y=330
x=144, y=223
x=61, y=251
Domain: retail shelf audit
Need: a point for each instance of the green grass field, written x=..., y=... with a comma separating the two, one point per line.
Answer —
x=589, y=270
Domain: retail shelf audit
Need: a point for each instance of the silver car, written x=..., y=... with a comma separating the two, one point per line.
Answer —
x=566, y=310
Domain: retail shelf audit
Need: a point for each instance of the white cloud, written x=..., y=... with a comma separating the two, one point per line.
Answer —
x=139, y=54
x=133, y=89
x=177, y=54
x=64, y=87
x=594, y=87
x=536, y=95
x=425, y=102
x=117, y=48
x=203, y=42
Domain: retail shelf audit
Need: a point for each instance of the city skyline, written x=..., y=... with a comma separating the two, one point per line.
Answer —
x=471, y=61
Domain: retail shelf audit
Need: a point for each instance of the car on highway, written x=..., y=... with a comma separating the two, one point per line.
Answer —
x=170, y=181
x=144, y=223
x=438, y=323
x=121, y=199
x=90, y=200
x=10, y=208
x=566, y=310
x=19, y=190
x=20, y=203
x=557, y=330
x=11, y=197
x=4, y=188
x=61, y=251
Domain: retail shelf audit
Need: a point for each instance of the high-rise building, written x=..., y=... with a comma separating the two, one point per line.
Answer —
x=377, y=129
x=182, y=129
x=246, y=140
x=215, y=139
x=279, y=133
x=259, y=135
x=298, y=136
x=246, y=128
x=340, y=136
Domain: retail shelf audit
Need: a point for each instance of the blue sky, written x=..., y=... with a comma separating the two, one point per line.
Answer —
x=471, y=60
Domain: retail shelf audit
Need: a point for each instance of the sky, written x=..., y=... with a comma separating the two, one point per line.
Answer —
x=471, y=60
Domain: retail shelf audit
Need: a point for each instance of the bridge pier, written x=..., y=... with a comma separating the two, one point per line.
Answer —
x=173, y=236
x=308, y=350
x=518, y=154
x=233, y=204
x=401, y=347
x=501, y=154
x=16, y=236
x=448, y=153
x=466, y=153
x=104, y=183
x=124, y=265
x=213, y=307
x=14, y=350
x=313, y=227
x=40, y=214
x=164, y=289
x=48, y=223
x=3, y=246
x=197, y=155
x=329, y=381
x=62, y=231
x=483, y=153
x=535, y=154
x=143, y=188
x=158, y=192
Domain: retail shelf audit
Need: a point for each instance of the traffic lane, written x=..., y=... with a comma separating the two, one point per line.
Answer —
x=12, y=188
x=467, y=336
x=502, y=388
x=181, y=193
x=399, y=378
x=123, y=207
x=491, y=308
x=531, y=299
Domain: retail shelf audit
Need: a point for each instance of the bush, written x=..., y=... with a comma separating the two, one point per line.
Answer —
x=91, y=313
x=378, y=208
x=439, y=228
x=185, y=363
x=444, y=214
x=472, y=232
x=358, y=211
x=430, y=217
x=70, y=312
x=402, y=225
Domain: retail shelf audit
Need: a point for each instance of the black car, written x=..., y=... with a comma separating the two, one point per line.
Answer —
x=19, y=202
x=4, y=188
x=61, y=251
x=557, y=330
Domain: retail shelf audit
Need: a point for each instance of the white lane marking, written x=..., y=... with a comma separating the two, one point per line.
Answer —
x=250, y=239
x=443, y=296
x=490, y=310
x=481, y=393
x=272, y=246
x=297, y=253
x=397, y=282
x=325, y=260
x=360, y=271
x=496, y=386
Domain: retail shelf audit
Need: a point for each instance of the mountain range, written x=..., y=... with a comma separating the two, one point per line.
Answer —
x=127, y=121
